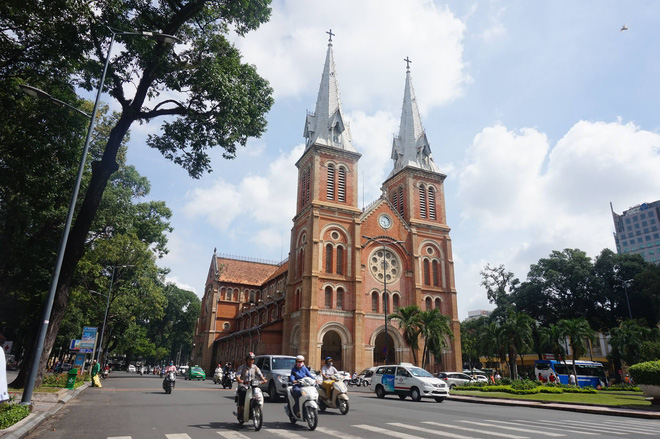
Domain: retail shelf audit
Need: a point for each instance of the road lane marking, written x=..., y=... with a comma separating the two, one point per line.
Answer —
x=386, y=432
x=591, y=427
x=335, y=433
x=474, y=430
x=285, y=433
x=429, y=431
x=120, y=437
x=650, y=427
x=231, y=435
x=177, y=436
x=504, y=427
x=536, y=423
x=629, y=429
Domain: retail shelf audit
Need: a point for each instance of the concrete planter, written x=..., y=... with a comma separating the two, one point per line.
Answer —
x=652, y=391
x=43, y=396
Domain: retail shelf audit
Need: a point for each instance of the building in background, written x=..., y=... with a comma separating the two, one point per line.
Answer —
x=348, y=268
x=473, y=315
x=637, y=231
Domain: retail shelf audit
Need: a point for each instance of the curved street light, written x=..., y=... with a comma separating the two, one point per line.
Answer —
x=33, y=91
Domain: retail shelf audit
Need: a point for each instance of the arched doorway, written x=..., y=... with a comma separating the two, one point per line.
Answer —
x=332, y=348
x=384, y=353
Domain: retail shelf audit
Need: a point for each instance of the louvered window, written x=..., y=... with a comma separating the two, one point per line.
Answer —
x=307, y=183
x=374, y=302
x=422, y=201
x=341, y=185
x=395, y=199
x=331, y=182
x=401, y=200
x=435, y=274
x=431, y=200
x=427, y=275
x=385, y=299
x=328, y=258
x=328, y=297
x=340, y=298
x=340, y=260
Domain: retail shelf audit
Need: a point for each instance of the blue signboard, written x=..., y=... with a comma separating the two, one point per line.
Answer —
x=75, y=345
x=88, y=338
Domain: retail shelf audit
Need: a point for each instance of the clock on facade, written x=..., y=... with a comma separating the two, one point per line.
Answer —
x=384, y=221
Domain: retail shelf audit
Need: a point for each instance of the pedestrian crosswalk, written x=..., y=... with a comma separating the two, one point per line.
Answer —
x=473, y=428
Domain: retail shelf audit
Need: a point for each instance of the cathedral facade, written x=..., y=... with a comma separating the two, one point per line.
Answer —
x=348, y=268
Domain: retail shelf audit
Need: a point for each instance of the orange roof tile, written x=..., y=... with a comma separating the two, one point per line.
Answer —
x=253, y=273
x=283, y=268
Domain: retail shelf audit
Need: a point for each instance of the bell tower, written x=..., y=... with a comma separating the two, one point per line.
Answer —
x=327, y=201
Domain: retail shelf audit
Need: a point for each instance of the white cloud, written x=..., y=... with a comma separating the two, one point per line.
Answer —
x=175, y=280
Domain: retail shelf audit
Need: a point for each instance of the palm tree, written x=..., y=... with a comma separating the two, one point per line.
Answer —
x=577, y=330
x=435, y=329
x=517, y=330
x=627, y=339
x=492, y=342
x=551, y=341
x=409, y=323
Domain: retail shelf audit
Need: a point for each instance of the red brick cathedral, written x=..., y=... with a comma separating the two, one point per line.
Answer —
x=347, y=267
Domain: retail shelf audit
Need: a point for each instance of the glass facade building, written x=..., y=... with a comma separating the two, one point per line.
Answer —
x=637, y=231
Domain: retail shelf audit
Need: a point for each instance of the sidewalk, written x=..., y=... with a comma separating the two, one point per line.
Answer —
x=41, y=410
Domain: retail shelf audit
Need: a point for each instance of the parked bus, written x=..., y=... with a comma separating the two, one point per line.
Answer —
x=589, y=373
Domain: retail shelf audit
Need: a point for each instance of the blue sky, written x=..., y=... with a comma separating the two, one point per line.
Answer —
x=540, y=113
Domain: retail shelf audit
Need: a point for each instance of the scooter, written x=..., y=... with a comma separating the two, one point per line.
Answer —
x=168, y=382
x=308, y=404
x=217, y=376
x=228, y=379
x=104, y=374
x=338, y=398
x=252, y=409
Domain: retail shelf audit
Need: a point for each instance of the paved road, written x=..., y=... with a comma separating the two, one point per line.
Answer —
x=134, y=407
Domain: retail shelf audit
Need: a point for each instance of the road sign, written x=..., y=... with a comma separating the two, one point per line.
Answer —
x=88, y=337
x=86, y=350
x=75, y=345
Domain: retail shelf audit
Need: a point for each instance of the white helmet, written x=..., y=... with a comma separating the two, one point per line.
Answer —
x=300, y=358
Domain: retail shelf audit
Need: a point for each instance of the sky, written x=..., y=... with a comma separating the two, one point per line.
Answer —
x=539, y=113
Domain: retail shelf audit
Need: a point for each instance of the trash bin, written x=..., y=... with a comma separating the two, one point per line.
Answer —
x=71, y=379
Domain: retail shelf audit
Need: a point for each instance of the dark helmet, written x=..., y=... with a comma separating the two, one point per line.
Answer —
x=250, y=356
x=328, y=359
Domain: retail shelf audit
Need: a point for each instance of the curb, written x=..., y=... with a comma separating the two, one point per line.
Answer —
x=595, y=409
x=34, y=420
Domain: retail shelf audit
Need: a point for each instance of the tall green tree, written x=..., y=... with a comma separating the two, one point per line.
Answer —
x=517, y=331
x=208, y=96
x=408, y=319
x=627, y=339
x=435, y=331
x=577, y=331
x=552, y=340
x=493, y=342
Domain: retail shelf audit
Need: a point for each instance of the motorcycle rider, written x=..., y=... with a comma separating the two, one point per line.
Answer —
x=298, y=372
x=218, y=369
x=327, y=372
x=244, y=376
x=170, y=368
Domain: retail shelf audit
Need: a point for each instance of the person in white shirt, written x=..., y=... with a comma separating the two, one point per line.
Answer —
x=4, y=392
x=328, y=371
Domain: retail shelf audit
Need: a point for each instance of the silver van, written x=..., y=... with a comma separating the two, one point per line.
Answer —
x=276, y=369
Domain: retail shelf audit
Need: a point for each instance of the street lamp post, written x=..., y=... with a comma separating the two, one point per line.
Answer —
x=380, y=241
x=625, y=289
x=29, y=387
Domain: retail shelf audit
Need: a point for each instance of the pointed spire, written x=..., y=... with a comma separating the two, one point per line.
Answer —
x=410, y=147
x=327, y=126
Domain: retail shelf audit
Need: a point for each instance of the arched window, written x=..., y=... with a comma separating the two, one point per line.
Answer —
x=341, y=185
x=229, y=290
x=328, y=297
x=401, y=200
x=395, y=302
x=422, y=201
x=328, y=258
x=304, y=187
x=340, y=298
x=436, y=281
x=438, y=304
x=252, y=296
x=395, y=199
x=431, y=201
x=374, y=301
x=330, y=191
x=429, y=303
x=296, y=301
x=386, y=296
x=427, y=275
x=340, y=260
x=301, y=262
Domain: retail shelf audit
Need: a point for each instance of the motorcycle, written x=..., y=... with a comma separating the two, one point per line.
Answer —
x=338, y=398
x=252, y=409
x=168, y=382
x=228, y=379
x=308, y=404
x=217, y=376
x=104, y=374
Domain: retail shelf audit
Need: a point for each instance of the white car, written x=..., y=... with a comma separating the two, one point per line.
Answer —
x=454, y=379
x=131, y=368
x=407, y=380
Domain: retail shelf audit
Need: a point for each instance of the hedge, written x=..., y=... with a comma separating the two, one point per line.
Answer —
x=528, y=388
x=12, y=413
x=646, y=373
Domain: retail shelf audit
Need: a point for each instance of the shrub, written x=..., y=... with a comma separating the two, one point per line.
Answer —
x=622, y=387
x=586, y=389
x=12, y=413
x=646, y=373
x=505, y=381
x=550, y=389
x=524, y=385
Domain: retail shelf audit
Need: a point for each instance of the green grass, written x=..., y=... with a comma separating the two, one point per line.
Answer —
x=613, y=399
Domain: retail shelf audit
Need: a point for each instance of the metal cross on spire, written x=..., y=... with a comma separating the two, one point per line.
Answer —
x=407, y=64
x=331, y=35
